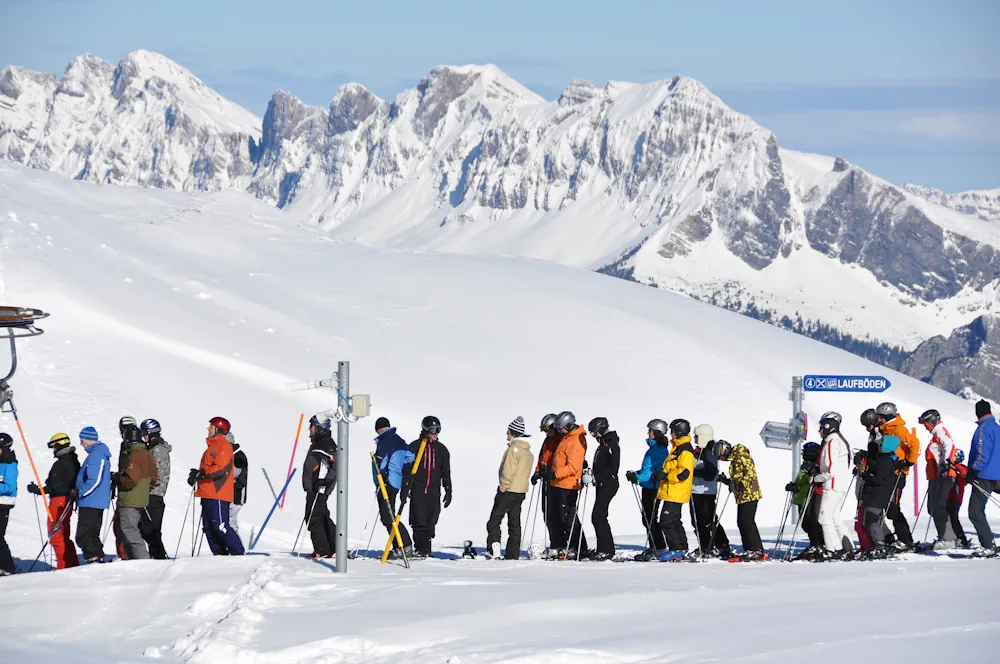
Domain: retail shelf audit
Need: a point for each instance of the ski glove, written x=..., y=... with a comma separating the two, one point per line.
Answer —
x=535, y=477
x=404, y=492
x=792, y=487
x=73, y=494
x=193, y=476
x=971, y=475
x=550, y=474
x=724, y=479
x=659, y=476
x=33, y=488
x=630, y=476
x=447, y=498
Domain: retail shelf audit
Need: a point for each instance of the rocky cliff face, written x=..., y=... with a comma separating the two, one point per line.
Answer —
x=966, y=362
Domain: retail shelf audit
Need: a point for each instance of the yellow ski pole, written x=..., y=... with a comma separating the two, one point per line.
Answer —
x=402, y=503
x=394, y=535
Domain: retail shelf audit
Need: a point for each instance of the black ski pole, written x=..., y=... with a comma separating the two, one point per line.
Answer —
x=312, y=505
x=716, y=521
x=781, y=529
x=183, y=524
x=795, y=531
x=645, y=519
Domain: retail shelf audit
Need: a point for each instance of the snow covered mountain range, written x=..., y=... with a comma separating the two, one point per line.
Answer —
x=661, y=183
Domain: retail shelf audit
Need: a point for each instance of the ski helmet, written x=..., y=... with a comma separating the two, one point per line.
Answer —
x=810, y=452
x=430, y=425
x=6, y=440
x=547, y=422
x=886, y=410
x=321, y=421
x=959, y=457
x=723, y=450
x=931, y=417
x=565, y=421
x=125, y=423
x=149, y=427
x=59, y=441
x=598, y=427
x=680, y=428
x=860, y=457
x=830, y=422
x=220, y=423
x=868, y=418
x=657, y=426
x=703, y=435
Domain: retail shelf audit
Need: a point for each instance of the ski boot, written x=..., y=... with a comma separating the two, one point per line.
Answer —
x=944, y=545
x=752, y=557
x=672, y=555
x=810, y=554
x=649, y=555
x=984, y=553
x=601, y=557
x=877, y=552
x=493, y=551
x=964, y=543
x=470, y=551
x=901, y=547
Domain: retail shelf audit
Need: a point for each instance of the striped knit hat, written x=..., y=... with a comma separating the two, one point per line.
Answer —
x=89, y=434
x=517, y=426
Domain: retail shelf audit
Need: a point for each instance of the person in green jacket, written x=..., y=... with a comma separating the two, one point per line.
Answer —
x=800, y=489
x=138, y=476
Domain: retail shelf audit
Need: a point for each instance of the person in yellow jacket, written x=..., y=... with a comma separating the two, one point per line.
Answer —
x=891, y=423
x=746, y=491
x=674, y=489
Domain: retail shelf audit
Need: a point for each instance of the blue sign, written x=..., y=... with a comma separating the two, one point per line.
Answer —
x=845, y=384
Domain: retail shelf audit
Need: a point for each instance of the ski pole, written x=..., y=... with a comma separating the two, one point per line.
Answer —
x=38, y=518
x=920, y=511
x=697, y=532
x=201, y=538
x=402, y=504
x=111, y=522
x=253, y=542
x=645, y=519
x=781, y=528
x=56, y=527
x=717, y=521
x=988, y=494
x=184, y=523
x=576, y=520
x=309, y=514
x=394, y=532
x=798, y=524
x=527, y=516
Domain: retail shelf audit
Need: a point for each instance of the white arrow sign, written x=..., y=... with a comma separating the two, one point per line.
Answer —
x=777, y=435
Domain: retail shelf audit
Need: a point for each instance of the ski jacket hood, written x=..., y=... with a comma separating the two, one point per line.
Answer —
x=678, y=469
x=653, y=459
x=217, y=462
x=567, y=461
x=8, y=477
x=392, y=455
x=515, y=466
x=984, y=455
x=93, y=482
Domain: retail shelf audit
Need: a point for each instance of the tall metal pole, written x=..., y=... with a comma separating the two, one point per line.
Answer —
x=796, y=397
x=343, y=434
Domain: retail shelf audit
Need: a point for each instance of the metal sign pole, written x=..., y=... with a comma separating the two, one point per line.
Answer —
x=343, y=435
x=797, y=395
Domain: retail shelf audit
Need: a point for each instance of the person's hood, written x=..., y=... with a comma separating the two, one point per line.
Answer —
x=521, y=444
x=69, y=449
x=100, y=449
x=390, y=430
x=159, y=442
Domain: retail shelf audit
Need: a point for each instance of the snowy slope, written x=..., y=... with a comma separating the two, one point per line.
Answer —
x=183, y=306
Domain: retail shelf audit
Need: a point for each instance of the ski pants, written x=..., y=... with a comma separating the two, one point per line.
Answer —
x=151, y=527
x=129, y=518
x=810, y=521
x=121, y=545
x=706, y=522
x=62, y=543
x=746, y=515
x=937, y=496
x=215, y=522
x=652, y=519
x=834, y=532
x=387, y=514
x=673, y=527
x=234, y=517
x=425, y=509
x=864, y=541
x=895, y=513
x=553, y=524
x=599, y=516
x=322, y=529
x=977, y=510
x=956, y=522
x=873, y=521
x=6, y=561
x=88, y=533
x=570, y=531
x=506, y=504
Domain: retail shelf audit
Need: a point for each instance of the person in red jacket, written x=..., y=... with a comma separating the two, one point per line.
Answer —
x=215, y=483
x=955, y=499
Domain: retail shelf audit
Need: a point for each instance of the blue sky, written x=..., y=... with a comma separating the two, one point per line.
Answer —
x=909, y=90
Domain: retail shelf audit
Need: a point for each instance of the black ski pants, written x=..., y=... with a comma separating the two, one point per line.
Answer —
x=88, y=533
x=599, y=517
x=151, y=527
x=810, y=523
x=6, y=562
x=956, y=522
x=746, y=520
x=895, y=514
x=322, y=529
x=562, y=507
x=550, y=511
x=703, y=506
x=425, y=509
x=673, y=527
x=387, y=513
x=506, y=504
x=652, y=519
x=977, y=509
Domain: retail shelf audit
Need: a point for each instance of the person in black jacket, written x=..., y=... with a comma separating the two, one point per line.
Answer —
x=319, y=477
x=433, y=473
x=607, y=458
x=878, y=481
x=712, y=539
x=240, y=470
x=60, y=486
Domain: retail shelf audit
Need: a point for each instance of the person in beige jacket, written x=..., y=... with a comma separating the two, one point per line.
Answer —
x=515, y=472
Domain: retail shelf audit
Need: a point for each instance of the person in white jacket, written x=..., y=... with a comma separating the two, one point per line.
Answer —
x=835, y=474
x=940, y=458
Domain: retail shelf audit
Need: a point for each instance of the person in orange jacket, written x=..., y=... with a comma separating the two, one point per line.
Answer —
x=891, y=423
x=215, y=486
x=565, y=476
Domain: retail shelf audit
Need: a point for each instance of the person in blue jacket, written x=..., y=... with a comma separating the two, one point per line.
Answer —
x=984, y=475
x=8, y=495
x=659, y=448
x=394, y=461
x=93, y=494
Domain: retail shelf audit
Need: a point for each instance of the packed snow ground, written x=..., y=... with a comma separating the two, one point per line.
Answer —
x=182, y=307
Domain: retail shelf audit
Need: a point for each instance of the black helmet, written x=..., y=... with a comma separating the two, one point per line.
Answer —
x=598, y=427
x=830, y=422
x=126, y=423
x=723, y=450
x=887, y=410
x=6, y=440
x=868, y=418
x=680, y=428
x=931, y=417
x=547, y=422
x=565, y=421
x=430, y=424
x=810, y=452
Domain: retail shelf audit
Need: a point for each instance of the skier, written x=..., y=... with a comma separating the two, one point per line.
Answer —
x=746, y=490
x=955, y=498
x=891, y=423
x=940, y=463
x=135, y=482
x=393, y=459
x=656, y=453
x=800, y=489
x=877, y=480
x=674, y=481
x=549, y=446
x=983, y=475
x=429, y=477
x=214, y=481
x=8, y=496
x=712, y=539
x=151, y=522
x=515, y=471
x=59, y=486
x=607, y=459
x=130, y=434
x=319, y=477
x=240, y=476
x=835, y=476
x=565, y=477
x=93, y=488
